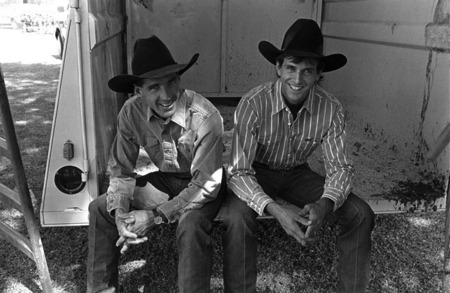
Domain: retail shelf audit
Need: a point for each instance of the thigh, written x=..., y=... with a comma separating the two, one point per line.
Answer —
x=354, y=209
x=168, y=183
x=298, y=186
x=235, y=209
x=271, y=181
x=156, y=188
x=302, y=186
x=210, y=209
x=98, y=207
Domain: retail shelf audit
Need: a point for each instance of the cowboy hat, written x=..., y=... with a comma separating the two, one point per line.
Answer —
x=303, y=39
x=152, y=59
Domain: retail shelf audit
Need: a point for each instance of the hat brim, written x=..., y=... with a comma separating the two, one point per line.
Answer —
x=331, y=62
x=124, y=83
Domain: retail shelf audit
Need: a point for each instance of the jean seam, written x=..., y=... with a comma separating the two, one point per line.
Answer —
x=357, y=246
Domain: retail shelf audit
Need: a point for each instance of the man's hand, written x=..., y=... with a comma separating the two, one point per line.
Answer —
x=132, y=226
x=139, y=221
x=316, y=213
x=290, y=221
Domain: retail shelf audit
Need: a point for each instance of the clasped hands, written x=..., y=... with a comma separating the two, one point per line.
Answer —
x=132, y=227
x=311, y=217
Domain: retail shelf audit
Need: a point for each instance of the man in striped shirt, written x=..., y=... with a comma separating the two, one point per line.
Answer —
x=278, y=125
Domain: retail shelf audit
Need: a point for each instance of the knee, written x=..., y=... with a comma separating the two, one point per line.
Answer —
x=370, y=217
x=98, y=205
x=237, y=214
x=193, y=223
x=94, y=205
x=365, y=214
x=360, y=212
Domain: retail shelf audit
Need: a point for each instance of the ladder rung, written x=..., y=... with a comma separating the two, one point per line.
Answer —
x=10, y=197
x=17, y=239
x=4, y=152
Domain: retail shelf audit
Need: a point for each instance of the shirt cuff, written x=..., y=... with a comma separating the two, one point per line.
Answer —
x=261, y=209
x=115, y=201
x=337, y=198
x=170, y=209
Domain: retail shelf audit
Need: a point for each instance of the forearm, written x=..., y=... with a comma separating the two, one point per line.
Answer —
x=339, y=167
x=337, y=187
x=273, y=209
x=206, y=169
x=120, y=194
x=247, y=189
x=192, y=197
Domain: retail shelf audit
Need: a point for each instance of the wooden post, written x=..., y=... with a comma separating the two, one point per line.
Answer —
x=446, y=278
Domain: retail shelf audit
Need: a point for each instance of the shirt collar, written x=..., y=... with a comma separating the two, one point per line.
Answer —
x=281, y=105
x=179, y=117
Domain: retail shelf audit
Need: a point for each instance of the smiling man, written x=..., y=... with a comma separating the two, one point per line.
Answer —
x=278, y=125
x=181, y=131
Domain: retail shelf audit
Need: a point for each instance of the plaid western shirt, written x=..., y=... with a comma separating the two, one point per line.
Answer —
x=189, y=143
x=265, y=132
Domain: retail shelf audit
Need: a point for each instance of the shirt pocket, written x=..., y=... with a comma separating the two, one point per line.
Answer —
x=309, y=144
x=186, y=145
x=153, y=148
x=268, y=143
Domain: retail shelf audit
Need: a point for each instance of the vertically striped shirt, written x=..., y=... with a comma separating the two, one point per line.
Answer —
x=265, y=132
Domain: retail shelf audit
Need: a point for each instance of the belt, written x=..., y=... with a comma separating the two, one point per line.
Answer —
x=265, y=166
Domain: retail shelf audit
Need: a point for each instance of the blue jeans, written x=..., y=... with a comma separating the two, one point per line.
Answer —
x=298, y=186
x=193, y=236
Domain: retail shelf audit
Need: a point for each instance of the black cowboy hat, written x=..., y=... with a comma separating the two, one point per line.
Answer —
x=303, y=39
x=152, y=59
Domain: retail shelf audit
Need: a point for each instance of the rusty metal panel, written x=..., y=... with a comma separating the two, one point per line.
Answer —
x=186, y=27
x=248, y=23
x=391, y=74
x=394, y=86
x=225, y=33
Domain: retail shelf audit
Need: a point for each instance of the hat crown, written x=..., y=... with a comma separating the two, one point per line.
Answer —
x=303, y=39
x=150, y=54
x=304, y=35
x=151, y=59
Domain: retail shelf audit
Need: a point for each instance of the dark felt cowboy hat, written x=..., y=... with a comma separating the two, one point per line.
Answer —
x=304, y=39
x=151, y=59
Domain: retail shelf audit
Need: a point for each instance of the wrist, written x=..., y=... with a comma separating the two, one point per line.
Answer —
x=272, y=208
x=326, y=203
x=160, y=217
x=118, y=212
